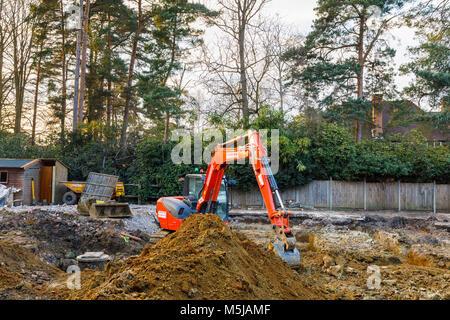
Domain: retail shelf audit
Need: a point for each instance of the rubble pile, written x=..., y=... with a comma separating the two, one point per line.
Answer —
x=57, y=234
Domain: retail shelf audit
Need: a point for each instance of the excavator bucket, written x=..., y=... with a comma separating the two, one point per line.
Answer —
x=292, y=257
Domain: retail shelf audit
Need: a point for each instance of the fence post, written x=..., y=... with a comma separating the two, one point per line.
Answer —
x=399, y=196
x=365, y=195
x=331, y=193
x=434, y=197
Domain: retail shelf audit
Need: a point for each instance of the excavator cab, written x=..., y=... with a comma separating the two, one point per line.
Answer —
x=170, y=211
x=193, y=188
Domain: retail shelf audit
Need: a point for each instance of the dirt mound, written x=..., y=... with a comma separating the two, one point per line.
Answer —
x=204, y=259
x=22, y=274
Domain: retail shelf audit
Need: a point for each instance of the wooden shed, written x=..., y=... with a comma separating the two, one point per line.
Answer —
x=46, y=174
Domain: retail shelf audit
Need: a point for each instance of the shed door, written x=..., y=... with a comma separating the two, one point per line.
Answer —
x=46, y=184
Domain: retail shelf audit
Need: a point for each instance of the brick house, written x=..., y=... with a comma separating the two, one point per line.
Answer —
x=398, y=117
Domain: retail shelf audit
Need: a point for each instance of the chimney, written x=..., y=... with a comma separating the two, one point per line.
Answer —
x=377, y=115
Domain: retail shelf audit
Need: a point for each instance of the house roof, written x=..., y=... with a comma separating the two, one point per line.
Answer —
x=429, y=132
x=16, y=163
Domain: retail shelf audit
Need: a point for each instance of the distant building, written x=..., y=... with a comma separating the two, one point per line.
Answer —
x=399, y=117
x=36, y=178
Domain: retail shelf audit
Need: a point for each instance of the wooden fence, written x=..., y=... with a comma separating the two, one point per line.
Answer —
x=359, y=195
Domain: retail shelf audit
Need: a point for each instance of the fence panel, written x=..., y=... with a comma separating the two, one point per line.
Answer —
x=350, y=195
x=417, y=196
x=443, y=197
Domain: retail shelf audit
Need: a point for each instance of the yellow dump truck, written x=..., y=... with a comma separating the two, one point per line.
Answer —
x=76, y=188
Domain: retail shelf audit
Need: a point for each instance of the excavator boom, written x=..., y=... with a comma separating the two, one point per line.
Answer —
x=225, y=154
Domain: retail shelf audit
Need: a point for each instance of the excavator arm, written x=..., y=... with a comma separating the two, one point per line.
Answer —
x=225, y=154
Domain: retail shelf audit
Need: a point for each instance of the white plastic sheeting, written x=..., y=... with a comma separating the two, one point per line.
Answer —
x=7, y=195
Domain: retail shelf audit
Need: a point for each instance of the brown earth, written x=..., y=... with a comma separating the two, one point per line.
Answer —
x=204, y=259
x=413, y=258
x=413, y=262
x=22, y=274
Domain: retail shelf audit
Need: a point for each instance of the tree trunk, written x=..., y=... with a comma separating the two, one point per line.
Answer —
x=243, y=74
x=18, y=69
x=166, y=128
x=35, y=105
x=1, y=61
x=281, y=92
x=109, y=96
x=166, y=78
x=108, y=104
x=360, y=78
x=64, y=75
x=83, y=62
x=129, y=88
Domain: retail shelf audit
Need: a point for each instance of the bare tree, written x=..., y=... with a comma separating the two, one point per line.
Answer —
x=237, y=63
x=20, y=54
x=5, y=76
x=236, y=19
x=280, y=38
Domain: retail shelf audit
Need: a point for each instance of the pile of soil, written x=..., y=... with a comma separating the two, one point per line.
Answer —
x=204, y=259
x=22, y=274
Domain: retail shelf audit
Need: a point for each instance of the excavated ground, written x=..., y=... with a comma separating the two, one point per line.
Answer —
x=338, y=253
x=23, y=275
x=204, y=259
x=57, y=234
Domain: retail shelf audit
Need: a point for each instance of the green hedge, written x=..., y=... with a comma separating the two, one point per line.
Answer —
x=309, y=149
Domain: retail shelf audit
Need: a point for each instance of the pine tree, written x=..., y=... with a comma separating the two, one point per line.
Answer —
x=343, y=54
x=431, y=59
x=173, y=36
x=106, y=68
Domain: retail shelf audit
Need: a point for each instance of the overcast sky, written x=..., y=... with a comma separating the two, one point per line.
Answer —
x=300, y=13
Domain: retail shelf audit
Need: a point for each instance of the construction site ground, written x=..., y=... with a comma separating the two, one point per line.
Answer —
x=345, y=255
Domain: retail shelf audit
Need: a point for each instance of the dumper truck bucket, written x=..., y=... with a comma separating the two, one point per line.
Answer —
x=292, y=257
x=110, y=209
x=84, y=206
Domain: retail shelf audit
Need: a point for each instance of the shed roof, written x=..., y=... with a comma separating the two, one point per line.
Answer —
x=25, y=163
x=15, y=163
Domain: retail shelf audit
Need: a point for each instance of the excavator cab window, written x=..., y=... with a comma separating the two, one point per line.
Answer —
x=222, y=198
x=194, y=187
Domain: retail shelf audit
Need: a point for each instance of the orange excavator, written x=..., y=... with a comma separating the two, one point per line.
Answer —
x=213, y=194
